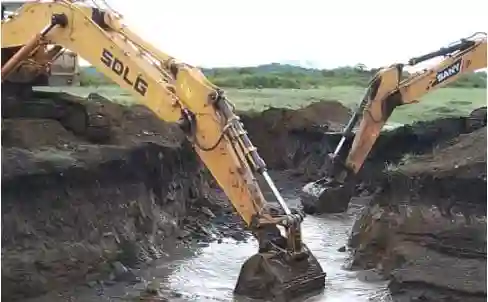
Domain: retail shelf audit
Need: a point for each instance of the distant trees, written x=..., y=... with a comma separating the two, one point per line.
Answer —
x=288, y=76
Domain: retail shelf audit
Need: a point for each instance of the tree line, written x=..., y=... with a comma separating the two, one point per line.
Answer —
x=277, y=75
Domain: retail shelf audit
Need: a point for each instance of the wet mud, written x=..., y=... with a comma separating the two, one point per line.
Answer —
x=91, y=188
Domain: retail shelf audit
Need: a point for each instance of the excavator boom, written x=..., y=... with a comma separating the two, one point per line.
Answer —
x=177, y=92
x=386, y=92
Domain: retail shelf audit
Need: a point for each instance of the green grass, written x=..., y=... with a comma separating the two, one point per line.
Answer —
x=440, y=103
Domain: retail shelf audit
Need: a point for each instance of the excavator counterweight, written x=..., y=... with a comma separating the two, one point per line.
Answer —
x=176, y=92
x=387, y=91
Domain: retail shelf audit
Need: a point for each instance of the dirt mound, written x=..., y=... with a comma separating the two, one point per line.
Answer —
x=458, y=157
x=298, y=140
x=425, y=229
x=283, y=136
x=54, y=119
x=84, y=186
x=320, y=114
x=35, y=133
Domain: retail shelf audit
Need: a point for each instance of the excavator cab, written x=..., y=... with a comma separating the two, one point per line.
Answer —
x=178, y=93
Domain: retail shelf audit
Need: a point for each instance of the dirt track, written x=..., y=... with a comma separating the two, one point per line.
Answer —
x=123, y=189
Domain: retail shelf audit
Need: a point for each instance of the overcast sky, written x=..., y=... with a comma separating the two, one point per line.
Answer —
x=331, y=33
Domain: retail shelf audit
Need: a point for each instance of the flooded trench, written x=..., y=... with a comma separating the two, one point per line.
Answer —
x=211, y=275
x=203, y=272
x=208, y=271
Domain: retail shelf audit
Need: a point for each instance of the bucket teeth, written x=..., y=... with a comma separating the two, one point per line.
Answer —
x=271, y=277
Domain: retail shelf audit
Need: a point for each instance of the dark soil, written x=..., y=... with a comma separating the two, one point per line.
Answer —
x=300, y=140
x=294, y=133
x=78, y=197
x=87, y=183
x=426, y=227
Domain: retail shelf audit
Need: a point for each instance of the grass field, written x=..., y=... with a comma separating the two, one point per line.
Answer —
x=443, y=102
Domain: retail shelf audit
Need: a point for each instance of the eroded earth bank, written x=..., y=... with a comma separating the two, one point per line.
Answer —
x=425, y=228
x=82, y=204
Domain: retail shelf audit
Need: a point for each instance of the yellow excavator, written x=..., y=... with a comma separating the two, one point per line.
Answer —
x=34, y=34
x=387, y=91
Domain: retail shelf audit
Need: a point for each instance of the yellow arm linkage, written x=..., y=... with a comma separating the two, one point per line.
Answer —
x=176, y=92
x=388, y=91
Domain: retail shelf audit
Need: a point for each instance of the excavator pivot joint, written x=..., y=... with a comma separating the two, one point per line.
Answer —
x=59, y=19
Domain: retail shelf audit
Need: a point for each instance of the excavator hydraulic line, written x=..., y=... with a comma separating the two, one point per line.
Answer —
x=254, y=159
x=387, y=91
x=176, y=92
x=463, y=44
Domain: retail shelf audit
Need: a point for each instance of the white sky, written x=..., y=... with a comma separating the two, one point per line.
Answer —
x=331, y=33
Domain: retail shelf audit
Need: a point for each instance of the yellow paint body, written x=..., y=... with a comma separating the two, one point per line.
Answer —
x=392, y=89
x=169, y=89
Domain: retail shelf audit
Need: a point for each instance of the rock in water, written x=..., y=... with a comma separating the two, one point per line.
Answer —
x=317, y=199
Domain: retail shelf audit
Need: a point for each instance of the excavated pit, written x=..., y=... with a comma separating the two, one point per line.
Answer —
x=128, y=187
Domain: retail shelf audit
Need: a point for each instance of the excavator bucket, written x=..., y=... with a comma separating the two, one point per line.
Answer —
x=322, y=197
x=272, y=277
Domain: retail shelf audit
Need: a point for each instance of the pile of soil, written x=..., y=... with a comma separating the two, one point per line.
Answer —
x=461, y=157
x=425, y=229
x=300, y=140
x=286, y=137
x=77, y=198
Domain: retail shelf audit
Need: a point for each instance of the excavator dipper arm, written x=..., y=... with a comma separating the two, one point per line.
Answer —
x=180, y=93
x=386, y=92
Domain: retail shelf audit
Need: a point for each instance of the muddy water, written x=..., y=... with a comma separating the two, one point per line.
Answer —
x=208, y=272
x=211, y=275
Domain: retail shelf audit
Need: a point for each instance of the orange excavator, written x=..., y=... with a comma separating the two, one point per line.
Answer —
x=387, y=91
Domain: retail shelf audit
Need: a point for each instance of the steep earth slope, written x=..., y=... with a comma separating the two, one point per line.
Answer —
x=425, y=229
x=75, y=200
